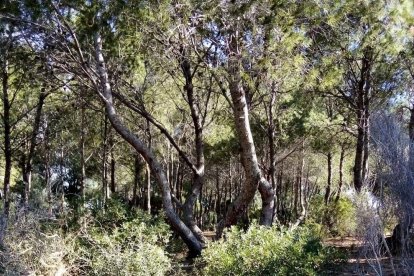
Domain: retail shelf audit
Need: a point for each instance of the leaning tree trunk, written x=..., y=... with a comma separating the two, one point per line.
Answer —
x=253, y=173
x=198, y=174
x=104, y=90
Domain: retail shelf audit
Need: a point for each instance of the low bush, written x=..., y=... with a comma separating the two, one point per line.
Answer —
x=37, y=245
x=337, y=217
x=266, y=251
x=33, y=245
x=134, y=248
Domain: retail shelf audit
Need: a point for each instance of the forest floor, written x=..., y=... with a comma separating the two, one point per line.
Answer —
x=356, y=264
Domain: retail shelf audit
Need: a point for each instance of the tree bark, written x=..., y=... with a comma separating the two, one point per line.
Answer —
x=272, y=150
x=149, y=170
x=341, y=173
x=112, y=164
x=329, y=182
x=7, y=144
x=82, y=151
x=359, y=151
x=104, y=161
x=137, y=171
x=362, y=112
x=104, y=90
x=254, y=177
x=48, y=174
x=27, y=171
x=198, y=174
x=411, y=124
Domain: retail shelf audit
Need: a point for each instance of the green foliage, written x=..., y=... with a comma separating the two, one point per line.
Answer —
x=336, y=218
x=266, y=251
x=35, y=244
x=134, y=248
x=112, y=214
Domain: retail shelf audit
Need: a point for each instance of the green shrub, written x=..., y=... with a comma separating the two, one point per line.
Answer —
x=134, y=248
x=265, y=251
x=37, y=245
x=337, y=218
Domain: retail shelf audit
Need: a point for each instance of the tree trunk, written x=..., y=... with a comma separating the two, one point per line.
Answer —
x=148, y=188
x=104, y=90
x=218, y=194
x=272, y=150
x=411, y=124
x=411, y=136
x=359, y=151
x=253, y=174
x=341, y=173
x=27, y=172
x=82, y=151
x=366, y=90
x=198, y=174
x=137, y=171
x=104, y=161
x=362, y=112
x=149, y=170
x=48, y=174
x=112, y=164
x=329, y=183
x=7, y=145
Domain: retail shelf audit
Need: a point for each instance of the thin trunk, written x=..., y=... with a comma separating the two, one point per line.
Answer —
x=411, y=124
x=82, y=151
x=105, y=90
x=296, y=188
x=48, y=180
x=27, y=173
x=359, y=150
x=411, y=136
x=367, y=90
x=272, y=151
x=329, y=183
x=302, y=195
x=149, y=170
x=341, y=173
x=279, y=190
x=364, y=173
x=148, y=188
x=6, y=145
x=48, y=174
x=230, y=180
x=104, y=161
x=62, y=174
x=137, y=171
x=218, y=197
x=113, y=166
